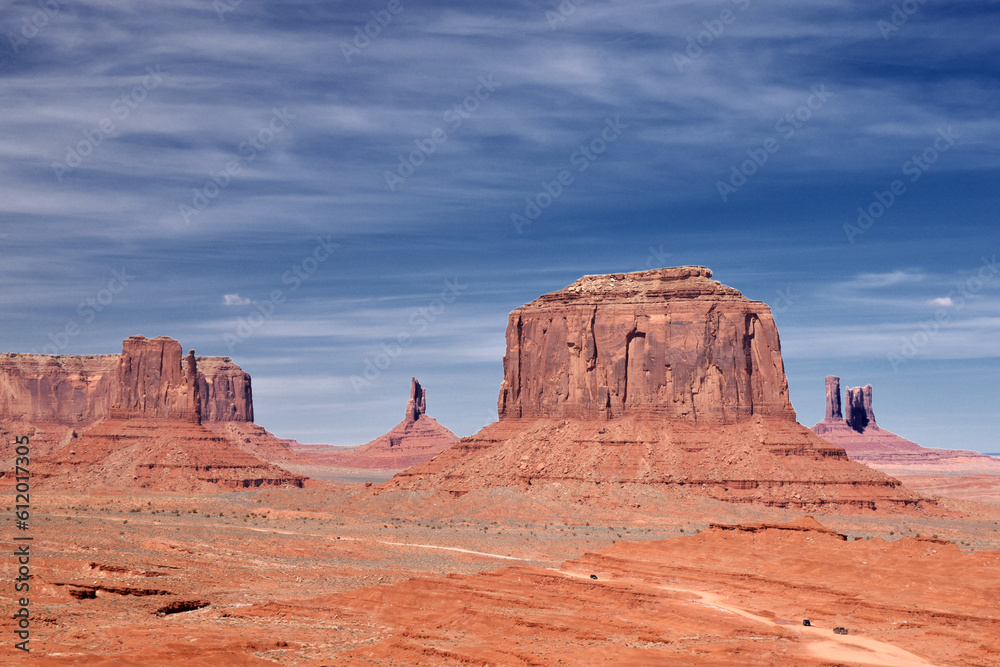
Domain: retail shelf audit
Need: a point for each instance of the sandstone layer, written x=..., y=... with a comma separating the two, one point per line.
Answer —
x=118, y=455
x=661, y=380
x=768, y=461
x=669, y=343
x=953, y=472
x=414, y=440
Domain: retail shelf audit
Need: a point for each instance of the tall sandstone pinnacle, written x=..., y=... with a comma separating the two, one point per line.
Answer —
x=833, y=411
x=645, y=389
x=946, y=472
x=864, y=440
x=860, y=412
x=414, y=440
x=859, y=415
x=670, y=343
x=417, y=405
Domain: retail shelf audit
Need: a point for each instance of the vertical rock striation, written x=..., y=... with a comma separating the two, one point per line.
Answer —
x=56, y=389
x=224, y=390
x=152, y=383
x=417, y=405
x=860, y=414
x=833, y=411
x=670, y=343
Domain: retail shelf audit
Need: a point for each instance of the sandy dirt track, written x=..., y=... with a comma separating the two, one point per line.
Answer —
x=828, y=645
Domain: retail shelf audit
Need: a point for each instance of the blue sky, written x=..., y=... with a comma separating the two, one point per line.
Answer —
x=169, y=168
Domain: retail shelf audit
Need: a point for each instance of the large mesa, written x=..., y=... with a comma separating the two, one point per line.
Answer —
x=82, y=389
x=670, y=343
x=657, y=384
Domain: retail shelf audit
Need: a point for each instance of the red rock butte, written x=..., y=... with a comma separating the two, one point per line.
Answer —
x=141, y=415
x=664, y=379
x=414, y=440
x=668, y=343
x=80, y=390
x=952, y=472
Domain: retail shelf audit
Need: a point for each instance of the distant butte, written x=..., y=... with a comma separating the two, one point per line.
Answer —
x=657, y=382
x=82, y=389
x=861, y=436
x=954, y=472
x=135, y=420
x=414, y=440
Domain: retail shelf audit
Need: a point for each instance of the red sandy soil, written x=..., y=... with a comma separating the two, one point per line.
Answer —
x=966, y=486
x=335, y=575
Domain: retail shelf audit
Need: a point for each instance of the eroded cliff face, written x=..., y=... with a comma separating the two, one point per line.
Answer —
x=154, y=382
x=224, y=390
x=149, y=378
x=860, y=412
x=56, y=389
x=670, y=343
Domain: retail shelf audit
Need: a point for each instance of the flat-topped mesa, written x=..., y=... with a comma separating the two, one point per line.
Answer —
x=417, y=405
x=56, y=389
x=80, y=389
x=153, y=383
x=670, y=343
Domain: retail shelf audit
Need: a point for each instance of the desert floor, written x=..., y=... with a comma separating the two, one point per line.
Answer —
x=342, y=575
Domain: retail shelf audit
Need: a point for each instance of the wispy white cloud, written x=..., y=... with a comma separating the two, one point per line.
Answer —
x=235, y=300
x=887, y=279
